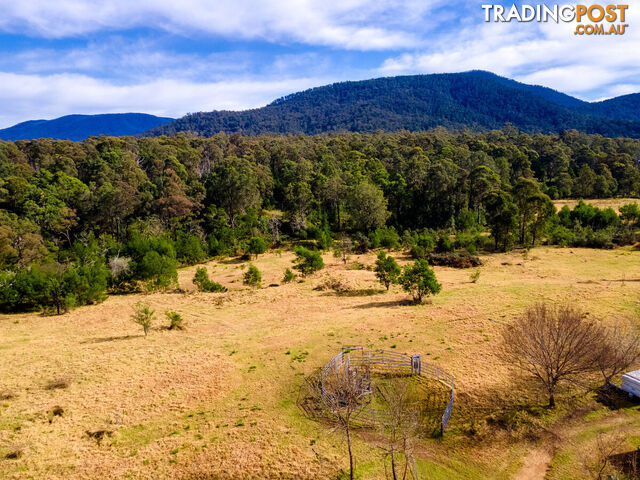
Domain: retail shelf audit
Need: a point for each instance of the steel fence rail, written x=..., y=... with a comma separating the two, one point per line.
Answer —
x=387, y=362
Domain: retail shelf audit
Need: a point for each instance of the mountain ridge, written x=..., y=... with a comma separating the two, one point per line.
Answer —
x=477, y=100
x=79, y=127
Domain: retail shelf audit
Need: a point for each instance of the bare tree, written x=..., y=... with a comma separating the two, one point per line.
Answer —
x=401, y=425
x=344, y=390
x=619, y=349
x=345, y=247
x=274, y=228
x=597, y=461
x=553, y=344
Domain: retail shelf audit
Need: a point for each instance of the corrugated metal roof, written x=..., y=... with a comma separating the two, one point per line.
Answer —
x=635, y=375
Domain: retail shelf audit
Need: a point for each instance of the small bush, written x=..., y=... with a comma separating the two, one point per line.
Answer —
x=289, y=276
x=387, y=269
x=418, y=252
x=256, y=246
x=357, y=266
x=475, y=276
x=190, y=249
x=630, y=214
x=444, y=244
x=385, y=237
x=470, y=241
x=361, y=243
x=562, y=236
x=202, y=282
x=143, y=316
x=252, y=276
x=175, y=320
x=307, y=261
x=419, y=280
x=426, y=241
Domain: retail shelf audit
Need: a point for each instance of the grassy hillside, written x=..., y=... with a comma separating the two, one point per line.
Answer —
x=218, y=400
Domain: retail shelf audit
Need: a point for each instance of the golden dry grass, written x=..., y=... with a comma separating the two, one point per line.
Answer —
x=218, y=400
x=614, y=203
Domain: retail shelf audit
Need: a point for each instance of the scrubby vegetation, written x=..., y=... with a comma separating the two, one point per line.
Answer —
x=387, y=269
x=175, y=320
x=204, y=284
x=252, y=277
x=307, y=261
x=289, y=276
x=80, y=220
x=144, y=316
x=419, y=280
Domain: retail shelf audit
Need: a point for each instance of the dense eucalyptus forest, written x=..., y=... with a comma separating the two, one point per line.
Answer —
x=118, y=214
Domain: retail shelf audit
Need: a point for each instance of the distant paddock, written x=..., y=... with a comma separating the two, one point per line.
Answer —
x=614, y=203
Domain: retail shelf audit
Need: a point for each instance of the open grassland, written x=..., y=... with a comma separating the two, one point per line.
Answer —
x=602, y=203
x=218, y=400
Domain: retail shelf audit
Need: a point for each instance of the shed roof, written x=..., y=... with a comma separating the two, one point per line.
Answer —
x=635, y=375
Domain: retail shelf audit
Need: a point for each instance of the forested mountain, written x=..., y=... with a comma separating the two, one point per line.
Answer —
x=626, y=106
x=475, y=100
x=80, y=127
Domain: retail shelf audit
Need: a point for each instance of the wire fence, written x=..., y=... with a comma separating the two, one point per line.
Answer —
x=384, y=362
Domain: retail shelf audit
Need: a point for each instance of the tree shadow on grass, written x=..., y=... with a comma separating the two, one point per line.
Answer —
x=234, y=261
x=111, y=339
x=391, y=303
x=359, y=292
x=621, y=280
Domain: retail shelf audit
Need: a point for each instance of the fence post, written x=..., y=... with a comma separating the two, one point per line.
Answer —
x=416, y=365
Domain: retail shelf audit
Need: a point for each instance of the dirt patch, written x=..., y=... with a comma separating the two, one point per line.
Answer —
x=536, y=464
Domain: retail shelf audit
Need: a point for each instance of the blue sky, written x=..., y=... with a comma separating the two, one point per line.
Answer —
x=173, y=57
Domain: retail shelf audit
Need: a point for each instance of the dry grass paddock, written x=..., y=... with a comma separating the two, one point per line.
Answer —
x=86, y=395
x=614, y=203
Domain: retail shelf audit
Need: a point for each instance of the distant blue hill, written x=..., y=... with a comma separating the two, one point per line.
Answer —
x=80, y=127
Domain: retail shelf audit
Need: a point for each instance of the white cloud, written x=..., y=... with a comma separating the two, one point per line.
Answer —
x=56, y=95
x=349, y=24
x=104, y=70
x=546, y=54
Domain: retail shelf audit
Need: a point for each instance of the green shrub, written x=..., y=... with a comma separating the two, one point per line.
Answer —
x=455, y=260
x=385, y=237
x=426, y=241
x=175, y=320
x=469, y=241
x=630, y=213
x=189, y=249
x=252, y=276
x=475, y=276
x=322, y=236
x=361, y=243
x=143, y=316
x=418, y=252
x=256, y=246
x=289, y=276
x=307, y=261
x=444, y=244
x=387, y=269
x=419, y=280
x=202, y=282
x=561, y=235
x=153, y=261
